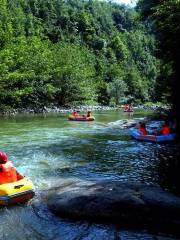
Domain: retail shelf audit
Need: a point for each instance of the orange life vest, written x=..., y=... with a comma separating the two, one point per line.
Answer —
x=143, y=131
x=8, y=173
x=165, y=130
x=74, y=114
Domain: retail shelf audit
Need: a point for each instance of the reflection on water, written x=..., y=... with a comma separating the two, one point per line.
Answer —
x=49, y=148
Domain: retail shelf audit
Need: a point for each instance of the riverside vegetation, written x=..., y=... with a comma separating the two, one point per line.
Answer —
x=67, y=53
x=75, y=52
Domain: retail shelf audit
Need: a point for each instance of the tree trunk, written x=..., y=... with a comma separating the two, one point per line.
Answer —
x=176, y=94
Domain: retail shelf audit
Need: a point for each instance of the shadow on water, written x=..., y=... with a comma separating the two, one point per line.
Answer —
x=169, y=167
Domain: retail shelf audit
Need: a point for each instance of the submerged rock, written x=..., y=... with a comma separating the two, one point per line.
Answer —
x=126, y=123
x=128, y=204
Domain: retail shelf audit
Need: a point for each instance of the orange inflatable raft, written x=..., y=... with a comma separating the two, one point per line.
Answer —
x=81, y=118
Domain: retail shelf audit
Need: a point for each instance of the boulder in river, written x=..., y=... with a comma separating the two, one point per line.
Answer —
x=128, y=204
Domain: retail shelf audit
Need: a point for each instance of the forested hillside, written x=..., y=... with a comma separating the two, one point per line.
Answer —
x=74, y=52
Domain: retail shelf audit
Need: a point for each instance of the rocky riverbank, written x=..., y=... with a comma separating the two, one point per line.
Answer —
x=55, y=109
x=81, y=108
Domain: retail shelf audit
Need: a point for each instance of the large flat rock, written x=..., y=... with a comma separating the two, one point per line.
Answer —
x=124, y=203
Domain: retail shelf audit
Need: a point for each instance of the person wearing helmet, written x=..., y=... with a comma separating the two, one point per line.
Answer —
x=8, y=172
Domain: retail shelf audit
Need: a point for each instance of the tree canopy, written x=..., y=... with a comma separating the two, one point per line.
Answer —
x=68, y=52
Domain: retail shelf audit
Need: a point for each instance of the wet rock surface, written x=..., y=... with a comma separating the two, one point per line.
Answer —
x=126, y=204
x=126, y=123
x=45, y=225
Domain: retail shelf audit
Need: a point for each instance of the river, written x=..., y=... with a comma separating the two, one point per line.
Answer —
x=47, y=148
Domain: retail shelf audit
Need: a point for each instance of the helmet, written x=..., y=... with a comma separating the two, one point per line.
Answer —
x=3, y=157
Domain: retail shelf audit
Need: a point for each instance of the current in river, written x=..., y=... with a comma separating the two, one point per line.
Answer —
x=49, y=148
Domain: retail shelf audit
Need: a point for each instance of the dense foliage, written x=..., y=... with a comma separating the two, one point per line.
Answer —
x=69, y=52
x=164, y=15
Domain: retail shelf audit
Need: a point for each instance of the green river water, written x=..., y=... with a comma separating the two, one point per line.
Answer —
x=47, y=148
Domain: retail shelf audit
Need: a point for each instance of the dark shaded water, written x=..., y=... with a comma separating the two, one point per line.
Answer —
x=46, y=148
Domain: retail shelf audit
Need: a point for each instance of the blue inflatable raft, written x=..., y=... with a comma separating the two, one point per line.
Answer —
x=152, y=138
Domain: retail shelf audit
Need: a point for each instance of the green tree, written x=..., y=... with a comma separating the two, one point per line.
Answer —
x=117, y=89
x=66, y=52
x=73, y=74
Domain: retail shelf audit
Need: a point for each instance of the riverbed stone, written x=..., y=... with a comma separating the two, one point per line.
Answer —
x=124, y=203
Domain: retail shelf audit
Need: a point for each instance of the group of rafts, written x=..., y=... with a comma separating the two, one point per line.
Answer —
x=135, y=132
x=15, y=188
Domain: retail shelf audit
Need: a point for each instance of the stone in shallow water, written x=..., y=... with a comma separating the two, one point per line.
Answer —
x=128, y=204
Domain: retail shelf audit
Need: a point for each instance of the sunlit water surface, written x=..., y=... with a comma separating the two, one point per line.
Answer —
x=47, y=148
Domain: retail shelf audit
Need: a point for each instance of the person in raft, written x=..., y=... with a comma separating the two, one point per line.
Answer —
x=130, y=107
x=74, y=113
x=89, y=114
x=77, y=113
x=126, y=107
x=142, y=128
x=8, y=172
x=165, y=129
